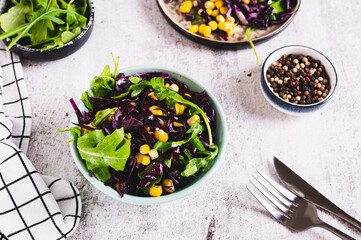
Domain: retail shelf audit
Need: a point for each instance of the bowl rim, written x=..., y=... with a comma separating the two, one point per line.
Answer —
x=141, y=200
x=264, y=77
x=77, y=38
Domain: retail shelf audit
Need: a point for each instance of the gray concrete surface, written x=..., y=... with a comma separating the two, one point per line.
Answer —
x=324, y=148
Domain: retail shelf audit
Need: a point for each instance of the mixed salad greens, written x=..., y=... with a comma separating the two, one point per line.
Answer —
x=224, y=17
x=43, y=24
x=144, y=134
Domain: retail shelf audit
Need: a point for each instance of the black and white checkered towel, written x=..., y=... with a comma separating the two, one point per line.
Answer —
x=32, y=206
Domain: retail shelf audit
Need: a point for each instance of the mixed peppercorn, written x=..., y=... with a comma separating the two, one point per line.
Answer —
x=298, y=79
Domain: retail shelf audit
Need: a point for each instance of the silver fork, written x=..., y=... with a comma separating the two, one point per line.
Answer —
x=290, y=210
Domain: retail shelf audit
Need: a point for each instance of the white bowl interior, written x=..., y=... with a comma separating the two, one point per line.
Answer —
x=305, y=51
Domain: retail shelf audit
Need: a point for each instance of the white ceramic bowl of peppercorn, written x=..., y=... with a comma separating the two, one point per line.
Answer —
x=298, y=79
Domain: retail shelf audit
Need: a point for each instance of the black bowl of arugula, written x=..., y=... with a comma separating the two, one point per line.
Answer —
x=47, y=29
x=136, y=140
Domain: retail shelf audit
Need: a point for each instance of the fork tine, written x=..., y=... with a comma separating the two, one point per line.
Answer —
x=272, y=198
x=274, y=192
x=275, y=213
x=286, y=193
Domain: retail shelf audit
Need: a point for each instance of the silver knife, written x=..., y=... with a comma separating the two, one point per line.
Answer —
x=301, y=188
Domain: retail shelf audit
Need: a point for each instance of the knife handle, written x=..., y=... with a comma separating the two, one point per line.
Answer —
x=332, y=208
x=335, y=231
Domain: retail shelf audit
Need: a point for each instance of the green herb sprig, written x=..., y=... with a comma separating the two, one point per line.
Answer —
x=46, y=24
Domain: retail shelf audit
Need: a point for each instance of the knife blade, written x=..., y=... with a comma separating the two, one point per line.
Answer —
x=303, y=189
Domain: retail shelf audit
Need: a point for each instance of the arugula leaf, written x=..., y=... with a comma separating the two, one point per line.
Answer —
x=101, y=152
x=41, y=16
x=137, y=88
x=196, y=19
x=248, y=30
x=67, y=36
x=135, y=80
x=101, y=86
x=194, y=130
x=39, y=33
x=277, y=8
x=15, y=16
x=198, y=144
x=163, y=92
x=74, y=131
x=101, y=116
x=85, y=100
x=195, y=164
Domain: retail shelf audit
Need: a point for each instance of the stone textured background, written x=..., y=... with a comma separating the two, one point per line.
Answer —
x=324, y=148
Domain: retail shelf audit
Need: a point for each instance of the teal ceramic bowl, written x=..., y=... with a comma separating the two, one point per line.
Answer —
x=220, y=140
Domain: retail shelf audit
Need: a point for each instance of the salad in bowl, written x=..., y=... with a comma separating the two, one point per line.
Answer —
x=145, y=133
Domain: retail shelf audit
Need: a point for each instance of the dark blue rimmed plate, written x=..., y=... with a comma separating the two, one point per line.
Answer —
x=168, y=13
x=58, y=52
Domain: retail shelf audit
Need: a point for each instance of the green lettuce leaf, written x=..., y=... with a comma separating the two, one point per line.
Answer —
x=195, y=164
x=15, y=16
x=101, y=152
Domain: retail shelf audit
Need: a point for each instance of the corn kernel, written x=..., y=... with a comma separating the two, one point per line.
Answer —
x=200, y=11
x=195, y=3
x=215, y=13
x=152, y=96
x=153, y=154
x=213, y=25
x=231, y=31
x=168, y=185
x=160, y=135
x=146, y=160
x=209, y=11
x=186, y=94
x=154, y=108
x=220, y=18
x=219, y=4
x=193, y=28
x=177, y=124
x=157, y=112
x=207, y=31
x=213, y=1
x=174, y=87
x=139, y=158
x=231, y=20
x=161, y=123
x=246, y=1
x=209, y=5
x=144, y=149
x=188, y=4
x=223, y=10
x=223, y=26
x=167, y=85
x=179, y=109
x=193, y=120
x=201, y=28
x=156, y=191
x=184, y=9
x=147, y=128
